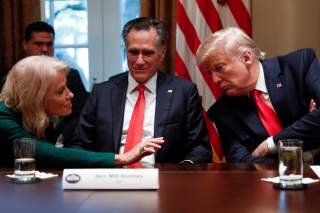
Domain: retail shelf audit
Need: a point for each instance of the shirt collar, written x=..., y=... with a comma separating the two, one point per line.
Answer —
x=261, y=83
x=151, y=84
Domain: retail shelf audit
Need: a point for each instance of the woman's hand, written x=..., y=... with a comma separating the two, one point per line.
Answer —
x=146, y=147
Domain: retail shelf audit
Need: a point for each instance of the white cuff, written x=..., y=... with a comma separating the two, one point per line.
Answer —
x=187, y=161
x=271, y=145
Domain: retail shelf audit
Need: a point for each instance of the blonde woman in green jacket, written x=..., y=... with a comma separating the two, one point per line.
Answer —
x=33, y=98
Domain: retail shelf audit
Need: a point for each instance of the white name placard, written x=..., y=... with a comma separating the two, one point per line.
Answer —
x=110, y=179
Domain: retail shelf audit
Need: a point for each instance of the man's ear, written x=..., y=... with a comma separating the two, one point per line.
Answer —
x=163, y=53
x=247, y=57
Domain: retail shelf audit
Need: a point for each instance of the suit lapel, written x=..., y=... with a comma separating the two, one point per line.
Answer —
x=276, y=89
x=249, y=114
x=165, y=93
x=118, y=103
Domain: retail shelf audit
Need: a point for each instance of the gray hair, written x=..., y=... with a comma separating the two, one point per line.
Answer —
x=145, y=23
x=230, y=39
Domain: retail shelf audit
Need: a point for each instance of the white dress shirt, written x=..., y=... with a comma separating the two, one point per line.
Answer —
x=261, y=86
x=149, y=114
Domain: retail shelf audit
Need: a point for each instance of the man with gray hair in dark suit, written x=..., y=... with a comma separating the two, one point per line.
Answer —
x=171, y=106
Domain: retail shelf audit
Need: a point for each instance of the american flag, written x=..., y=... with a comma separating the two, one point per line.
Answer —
x=196, y=19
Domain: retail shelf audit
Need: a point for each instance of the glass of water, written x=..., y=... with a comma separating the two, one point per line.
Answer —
x=290, y=163
x=24, y=160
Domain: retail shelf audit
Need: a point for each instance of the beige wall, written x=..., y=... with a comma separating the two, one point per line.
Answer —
x=280, y=26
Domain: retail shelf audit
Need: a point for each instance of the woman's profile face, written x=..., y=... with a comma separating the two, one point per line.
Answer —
x=58, y=98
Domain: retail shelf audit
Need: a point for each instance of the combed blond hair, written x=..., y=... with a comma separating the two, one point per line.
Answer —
x=26, y=87
x=230, y=39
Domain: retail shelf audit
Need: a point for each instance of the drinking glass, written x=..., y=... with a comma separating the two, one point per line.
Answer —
x=24, y=159
x=290, y=163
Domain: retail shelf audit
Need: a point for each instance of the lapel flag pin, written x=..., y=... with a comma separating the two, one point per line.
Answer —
x=279, y=85
x=169, y=90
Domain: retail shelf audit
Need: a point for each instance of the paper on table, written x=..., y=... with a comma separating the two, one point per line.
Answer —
x=41, y=175
x=316, y=170
x=277, y=180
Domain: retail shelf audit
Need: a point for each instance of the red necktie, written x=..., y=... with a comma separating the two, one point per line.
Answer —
x=267, y=116
x=135, y=130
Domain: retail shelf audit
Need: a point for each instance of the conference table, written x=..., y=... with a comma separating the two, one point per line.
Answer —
x=183, y=188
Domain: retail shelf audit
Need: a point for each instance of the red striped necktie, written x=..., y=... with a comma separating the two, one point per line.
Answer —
x=135, y=130
x=267, y=116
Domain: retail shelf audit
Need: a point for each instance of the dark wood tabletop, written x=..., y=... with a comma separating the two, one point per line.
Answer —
x=183, y=188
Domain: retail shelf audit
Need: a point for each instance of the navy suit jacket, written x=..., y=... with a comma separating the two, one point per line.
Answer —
x=292, y=81
x=178, y=119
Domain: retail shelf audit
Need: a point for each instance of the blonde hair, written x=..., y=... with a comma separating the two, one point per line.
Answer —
x=26, y=87
x=230, y=39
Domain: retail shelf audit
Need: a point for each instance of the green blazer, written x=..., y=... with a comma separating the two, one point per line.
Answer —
x=46, y=153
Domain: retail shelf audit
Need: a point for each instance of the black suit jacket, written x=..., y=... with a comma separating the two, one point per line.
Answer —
x=292, y=81
x=178, y=119
x=70, y=122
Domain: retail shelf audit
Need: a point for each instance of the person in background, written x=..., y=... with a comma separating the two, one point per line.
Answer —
x=264, y=100
x=34, y=96
x=165, y=106
x=39, y=40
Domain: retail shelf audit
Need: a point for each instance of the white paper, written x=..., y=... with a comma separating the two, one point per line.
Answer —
x=41, y=175
x=316, y=170
x=110, y=179
x=277, y=180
